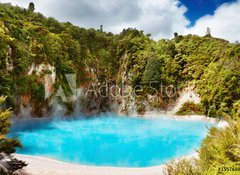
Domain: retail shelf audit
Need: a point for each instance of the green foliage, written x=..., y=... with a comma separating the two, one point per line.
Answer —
x=208, y=33
x=28, y=38
x=236, y=109
x=31, y=7
x=220, y=149
x=7, y=145
x=181, y=167
x=190, y=108
x=152, y=72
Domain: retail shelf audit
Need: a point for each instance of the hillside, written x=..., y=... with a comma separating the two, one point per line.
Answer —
x=33, y=46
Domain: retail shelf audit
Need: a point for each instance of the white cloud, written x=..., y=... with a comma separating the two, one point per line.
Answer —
x=224, y=23
x=161, y=18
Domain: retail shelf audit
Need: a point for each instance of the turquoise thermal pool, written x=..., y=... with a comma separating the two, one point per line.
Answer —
x=110, y=141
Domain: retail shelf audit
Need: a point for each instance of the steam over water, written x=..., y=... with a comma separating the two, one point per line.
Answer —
x=110, y=140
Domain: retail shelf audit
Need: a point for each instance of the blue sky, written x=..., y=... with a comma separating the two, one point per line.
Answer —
x=199, y=8
x=160, y=18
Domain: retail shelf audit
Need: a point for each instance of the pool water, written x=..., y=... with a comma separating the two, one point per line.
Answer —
x=111, y=141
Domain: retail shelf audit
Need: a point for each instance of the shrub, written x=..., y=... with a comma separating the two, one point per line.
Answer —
x=7, y=146
x=236, y=109
x=190, y=108
x=181, y=167
x=219, y=150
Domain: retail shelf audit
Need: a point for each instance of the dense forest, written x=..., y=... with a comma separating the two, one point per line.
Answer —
x=28, y=40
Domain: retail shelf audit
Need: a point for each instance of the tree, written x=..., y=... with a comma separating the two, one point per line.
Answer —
x=152, y=72
x=208, y=31
x=237, y=42
x=31, y=7
x=175, y=34
x=7, y=146
x=177, y=37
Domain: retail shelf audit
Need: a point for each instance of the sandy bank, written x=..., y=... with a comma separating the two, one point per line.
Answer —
x=46, y=166
x=155, y=115
x=220, y=123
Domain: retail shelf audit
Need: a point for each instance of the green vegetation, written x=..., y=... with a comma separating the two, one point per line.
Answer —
x=220, y=148
x=152, y=72
x=181, y=167
x=29, y=39
x=190, y=108
x=31, y=6
x=7, y=146
x=218, y=151
x=131, y=58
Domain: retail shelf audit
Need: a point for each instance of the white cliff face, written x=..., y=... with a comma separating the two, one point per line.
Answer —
x=25, y=112
x=132, y=109
x=9, y=62
x=49, y=78
x=41, y=68
x=8, y=58
x=187, y=95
